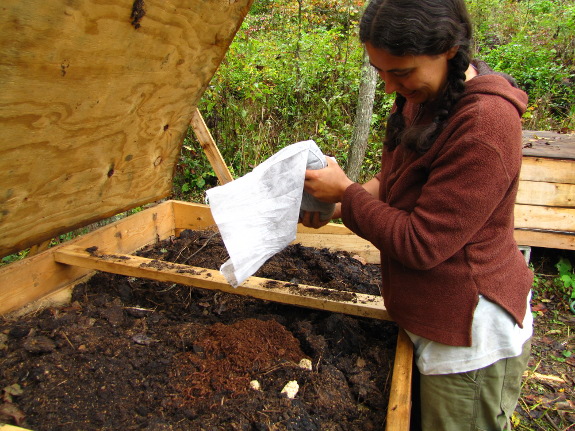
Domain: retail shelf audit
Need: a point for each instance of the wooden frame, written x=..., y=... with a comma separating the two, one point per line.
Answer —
x=49, y=277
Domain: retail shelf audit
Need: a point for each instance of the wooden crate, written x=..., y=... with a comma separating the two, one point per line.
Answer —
x=545, y=205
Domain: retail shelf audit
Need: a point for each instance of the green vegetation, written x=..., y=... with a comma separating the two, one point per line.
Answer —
x=562, y=283
x=292, y=73
x=566, y=281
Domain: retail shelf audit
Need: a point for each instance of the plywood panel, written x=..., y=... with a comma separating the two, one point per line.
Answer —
x=94, y=106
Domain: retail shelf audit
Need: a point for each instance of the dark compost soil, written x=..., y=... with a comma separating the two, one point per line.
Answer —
x=135, y=354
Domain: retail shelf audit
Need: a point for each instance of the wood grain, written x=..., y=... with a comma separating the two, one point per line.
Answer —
x=399, y=405
x=93, y=111
x=362, y=305
x=210, y=148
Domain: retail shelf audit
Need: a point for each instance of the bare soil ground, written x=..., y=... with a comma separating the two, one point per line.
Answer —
x=135, y=354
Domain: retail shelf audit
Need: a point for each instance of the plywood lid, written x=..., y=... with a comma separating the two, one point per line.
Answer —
x=95, y=99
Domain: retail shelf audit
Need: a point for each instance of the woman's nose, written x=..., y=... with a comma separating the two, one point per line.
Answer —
x=390, y=86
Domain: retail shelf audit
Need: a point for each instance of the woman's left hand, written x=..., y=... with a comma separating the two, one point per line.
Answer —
x=327, y=184
x=313, y=220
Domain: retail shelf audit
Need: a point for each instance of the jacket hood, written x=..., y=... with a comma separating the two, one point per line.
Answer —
x=498, y=84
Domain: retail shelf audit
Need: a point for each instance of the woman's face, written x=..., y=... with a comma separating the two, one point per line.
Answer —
x=418, y=78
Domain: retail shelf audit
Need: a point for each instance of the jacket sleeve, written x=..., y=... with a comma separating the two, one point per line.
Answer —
x=468, y=180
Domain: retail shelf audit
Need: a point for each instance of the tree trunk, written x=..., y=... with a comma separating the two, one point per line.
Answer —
x=362, y=122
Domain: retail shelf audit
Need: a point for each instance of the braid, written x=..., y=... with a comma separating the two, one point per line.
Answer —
x=395, y=124
x=420, y=139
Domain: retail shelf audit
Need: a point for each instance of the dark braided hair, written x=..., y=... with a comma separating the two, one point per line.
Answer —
x=420, y=27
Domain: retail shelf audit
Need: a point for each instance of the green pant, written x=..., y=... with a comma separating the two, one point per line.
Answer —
x=479, y=400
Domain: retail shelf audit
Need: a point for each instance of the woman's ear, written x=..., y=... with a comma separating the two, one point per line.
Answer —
x=452, y=51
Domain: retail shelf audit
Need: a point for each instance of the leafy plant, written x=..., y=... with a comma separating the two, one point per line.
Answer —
x=566, y=280
x=14, y=257
x=193, y=174
x=534, y=41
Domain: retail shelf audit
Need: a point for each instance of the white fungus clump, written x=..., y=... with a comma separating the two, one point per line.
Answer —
x=290, y=389
x=255, y=385
x=305, y=363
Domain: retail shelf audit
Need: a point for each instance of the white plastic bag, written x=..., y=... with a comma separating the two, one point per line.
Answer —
x=257, y=214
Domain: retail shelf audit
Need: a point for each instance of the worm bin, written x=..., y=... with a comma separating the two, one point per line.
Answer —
x=100, y=332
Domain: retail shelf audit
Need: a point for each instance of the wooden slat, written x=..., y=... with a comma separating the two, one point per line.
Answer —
x=328, y=229
x=189, y=215
x=301, y=295
x=547, y=218
x=547, y=170
x=12, y=428
x=546, y=194
x=352, y=244
x=399, y=406
x=210, y=148
x=545, y=239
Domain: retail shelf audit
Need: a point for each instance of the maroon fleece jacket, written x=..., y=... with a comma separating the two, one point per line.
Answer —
x=444, y=220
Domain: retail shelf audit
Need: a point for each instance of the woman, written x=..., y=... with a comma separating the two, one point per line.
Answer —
x=441, y=212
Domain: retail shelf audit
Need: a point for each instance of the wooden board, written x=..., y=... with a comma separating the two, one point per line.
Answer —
x=361, y=305
x=551, y=194
x=399, y=405
x=549, y=144
x=545, y=239
x=12, y=428
x=94, y=105
x=210, y=148
x=544, y=217
x=548, y=170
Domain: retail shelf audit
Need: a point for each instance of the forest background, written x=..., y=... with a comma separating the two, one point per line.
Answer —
x=293, y=72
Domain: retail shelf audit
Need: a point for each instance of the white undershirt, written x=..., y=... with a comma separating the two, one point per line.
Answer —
x=495, y=336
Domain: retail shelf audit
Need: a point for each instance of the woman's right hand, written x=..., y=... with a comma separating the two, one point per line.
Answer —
x=313, y=220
